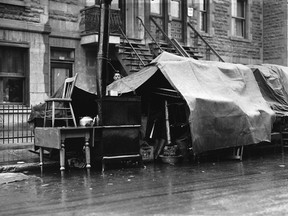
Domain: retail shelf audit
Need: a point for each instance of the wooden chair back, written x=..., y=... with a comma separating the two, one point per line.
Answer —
x=69, y=86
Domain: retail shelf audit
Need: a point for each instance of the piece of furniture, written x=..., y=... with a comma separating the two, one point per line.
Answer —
x=118, y=136
x=54, y=138
x=118, y=142
x=61, y=108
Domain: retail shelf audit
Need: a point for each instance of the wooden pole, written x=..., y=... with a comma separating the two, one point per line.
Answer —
x=103, y=47
x=168, y=135
x=102, y=54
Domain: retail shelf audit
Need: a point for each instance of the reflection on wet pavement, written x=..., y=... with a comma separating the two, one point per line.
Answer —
x=255, y=186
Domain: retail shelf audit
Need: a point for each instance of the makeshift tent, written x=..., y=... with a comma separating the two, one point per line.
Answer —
x=226, y=107
x=273, y=83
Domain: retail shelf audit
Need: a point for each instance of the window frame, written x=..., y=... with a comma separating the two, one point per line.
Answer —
x=243, y=20
x=24, y=47
x=180, y=10
x=160, y=8
x=205, y=11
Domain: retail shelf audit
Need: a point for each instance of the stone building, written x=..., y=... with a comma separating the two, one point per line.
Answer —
x=44, y=41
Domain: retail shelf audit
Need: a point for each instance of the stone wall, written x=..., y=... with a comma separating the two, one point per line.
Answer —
x=275, y=32
x=55, y=23
x=29, y=13
x=26, y=24
x=42, y=24
x=246, y=50
x=64, y=19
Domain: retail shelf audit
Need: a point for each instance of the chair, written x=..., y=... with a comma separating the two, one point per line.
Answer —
x=61, y=108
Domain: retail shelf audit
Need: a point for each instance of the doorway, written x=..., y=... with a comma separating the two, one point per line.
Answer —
x=159, y=12
x=59, y=72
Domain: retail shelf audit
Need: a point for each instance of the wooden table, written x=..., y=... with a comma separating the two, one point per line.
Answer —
x=54, y=138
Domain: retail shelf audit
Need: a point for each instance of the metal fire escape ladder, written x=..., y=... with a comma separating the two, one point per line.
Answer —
x=172, y=41
x=134, y=50
x=210, y=47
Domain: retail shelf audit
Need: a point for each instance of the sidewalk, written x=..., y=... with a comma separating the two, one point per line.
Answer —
x=17, y=158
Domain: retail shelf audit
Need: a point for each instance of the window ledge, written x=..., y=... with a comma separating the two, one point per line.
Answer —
x=205, y=34
x=16, y=2
x=239, y=39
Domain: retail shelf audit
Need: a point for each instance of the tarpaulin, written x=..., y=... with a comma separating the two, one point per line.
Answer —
x=226, y=106
x=273, y=83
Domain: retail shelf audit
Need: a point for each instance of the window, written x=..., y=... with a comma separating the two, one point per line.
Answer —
x=114, y=3
x=156, y=7
x=90, y=3
x=203, y=15
x=176, y=9
x=61, y=67
x=13, y=70
x=238, y=18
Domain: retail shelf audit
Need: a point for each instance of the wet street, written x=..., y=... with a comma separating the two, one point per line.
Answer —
x=256, y=186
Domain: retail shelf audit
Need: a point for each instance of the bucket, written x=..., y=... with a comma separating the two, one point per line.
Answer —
x=147, y=152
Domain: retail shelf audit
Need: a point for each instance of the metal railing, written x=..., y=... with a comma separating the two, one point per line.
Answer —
x=209, y=46
x=147, y=31
x=90, y=19
x=14, y=127
x=179, y=48
x=134, y=50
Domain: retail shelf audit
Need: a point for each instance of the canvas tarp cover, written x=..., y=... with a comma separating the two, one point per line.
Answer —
x=226, y=106
x=273, y=83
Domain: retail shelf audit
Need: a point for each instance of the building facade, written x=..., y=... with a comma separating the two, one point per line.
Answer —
x=44, y=41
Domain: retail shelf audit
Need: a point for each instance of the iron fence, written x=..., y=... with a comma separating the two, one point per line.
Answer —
x=14, y=127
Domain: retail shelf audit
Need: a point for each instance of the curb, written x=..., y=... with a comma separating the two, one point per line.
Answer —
x=26, y=166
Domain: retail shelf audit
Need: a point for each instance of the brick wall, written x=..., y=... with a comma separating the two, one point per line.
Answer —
x=275, y=32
